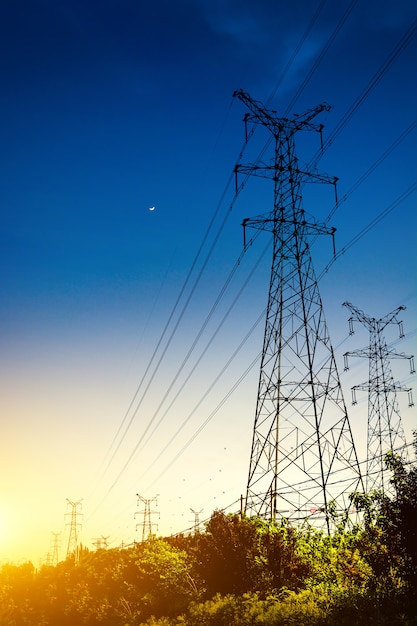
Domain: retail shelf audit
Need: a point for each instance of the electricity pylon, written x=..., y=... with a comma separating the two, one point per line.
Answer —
x=55, y=548
x=147, y=523
x=303, y=459
x=385, y=430
x=72, y=549
x=196, y=520
x=101, y=543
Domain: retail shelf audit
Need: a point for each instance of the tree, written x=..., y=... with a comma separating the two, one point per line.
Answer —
x=229, y=554
x=238, y=554
x=389, y=539
x=164, y=580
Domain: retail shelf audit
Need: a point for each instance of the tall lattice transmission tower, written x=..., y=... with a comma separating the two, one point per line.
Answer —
x=147, y=512
x=75, y=526
x=303, y=460
x=385, y=430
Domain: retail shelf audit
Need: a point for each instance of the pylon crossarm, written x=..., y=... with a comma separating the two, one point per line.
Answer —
x=277, y=125
x=271, y=221
x=371, y=323
x=390, y=319
x=361, y=352
x=358, y=316
x=275, y=170
x=400, y=355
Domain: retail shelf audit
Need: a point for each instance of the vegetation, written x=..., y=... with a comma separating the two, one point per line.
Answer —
x=239, y=572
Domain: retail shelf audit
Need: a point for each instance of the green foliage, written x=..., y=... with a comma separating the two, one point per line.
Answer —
x=388, y=541
x=239, y=554
x=250, y=610
x=229, y=555
x=335, y=560
x=164, y=579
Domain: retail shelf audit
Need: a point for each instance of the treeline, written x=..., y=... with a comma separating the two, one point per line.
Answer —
x=238, y=572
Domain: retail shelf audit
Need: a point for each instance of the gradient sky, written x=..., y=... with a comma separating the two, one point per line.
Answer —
x=110, y=108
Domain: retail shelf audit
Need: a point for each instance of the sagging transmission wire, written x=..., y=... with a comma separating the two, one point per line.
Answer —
x=316, y=64
x=322, y=54
x=402, y=44
x=371, y=225
x=209, y=343
x=218, y=328
x=170, y=338
x=373, y=167
x=368, y=172
x=296, y=51
x=180, y=295
x=222, y=402
x=404, y=41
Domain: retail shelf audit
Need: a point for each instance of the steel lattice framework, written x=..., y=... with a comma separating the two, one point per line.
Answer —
x=55, y=548
x=147, y=524
x=303, y=459
x=385, y=430
x=75, y=526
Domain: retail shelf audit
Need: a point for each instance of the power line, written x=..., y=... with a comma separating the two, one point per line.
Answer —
x=322, y=54
x=405, y=40
x=372, y=168
x=369, y=227
x=297, y=49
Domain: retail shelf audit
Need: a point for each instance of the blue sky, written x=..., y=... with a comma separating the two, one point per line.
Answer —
x=108, y=109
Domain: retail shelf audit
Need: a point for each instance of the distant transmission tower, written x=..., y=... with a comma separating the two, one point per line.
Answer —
x=303, y=460
x=101, y=543
x=73, y=548
x=196, y=520
x=385, y=430
x=147, y=523
x=55, y=548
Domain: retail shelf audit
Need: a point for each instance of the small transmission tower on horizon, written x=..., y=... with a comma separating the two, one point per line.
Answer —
x=303, y=459
x=147, y=513
x=101, y=543
x=385, y=429
x=75, y=526
x=196, y=520
x=55, y=548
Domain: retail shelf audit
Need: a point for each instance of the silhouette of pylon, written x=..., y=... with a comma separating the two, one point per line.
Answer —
x=303, y=460
x=385, y=429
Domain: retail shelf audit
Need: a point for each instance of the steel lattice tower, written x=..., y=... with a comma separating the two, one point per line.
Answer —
x=55, y=548
x=101, y=543
x=72, y=549
x=147, y=523
x=303, y=460
x=385, y=430
x=196, y=520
